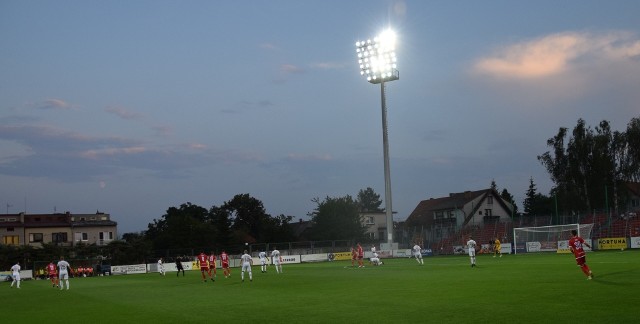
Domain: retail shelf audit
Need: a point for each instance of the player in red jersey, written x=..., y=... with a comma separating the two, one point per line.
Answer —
x=224, y=260
x=212, y=265
x=354, y=256
x=575, y=245
x=52, y=269
x=204, y=267
x=360, y=256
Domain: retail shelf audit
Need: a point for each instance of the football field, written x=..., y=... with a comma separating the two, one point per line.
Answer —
x=531, y=288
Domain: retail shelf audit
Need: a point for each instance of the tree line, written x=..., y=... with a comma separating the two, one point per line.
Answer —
x=589, y=169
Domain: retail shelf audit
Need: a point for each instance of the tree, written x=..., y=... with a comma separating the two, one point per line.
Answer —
x=250, y=223
x=631, y=162
x=221, y=222
x=530, y=199
x=494, y=186
x=369, y=201
x=594, y=165
x=508, y=197
x=183, y=227
x=249, y=217
x=336, y=218
x=535, y=203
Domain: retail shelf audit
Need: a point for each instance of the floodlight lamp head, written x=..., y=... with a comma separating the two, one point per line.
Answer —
x=379, y=57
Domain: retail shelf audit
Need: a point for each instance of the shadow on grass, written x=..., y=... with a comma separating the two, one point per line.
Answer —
x=610, y=278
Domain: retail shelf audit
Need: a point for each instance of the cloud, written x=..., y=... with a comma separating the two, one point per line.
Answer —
x=269, y=46
x=309, y=157
x=123, y=113
x=557, y=53
x=291, y=69
x=70, y=156
x=197, y=146
x=98, y=153
x=162, y=130
x=246, y=105
x=54, y=104
x=328, y=65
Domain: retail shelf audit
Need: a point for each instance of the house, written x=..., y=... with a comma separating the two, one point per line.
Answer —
x=375, y=224
x=440, y=217
x=64, y=229
x=633, y=198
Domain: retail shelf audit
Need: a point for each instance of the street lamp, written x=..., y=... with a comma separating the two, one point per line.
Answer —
x=377, y=60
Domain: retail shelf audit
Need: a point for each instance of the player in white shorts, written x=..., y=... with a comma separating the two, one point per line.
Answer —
x=275, y=258
x=161, y=267
x=63, y=272
x=15, y=273
x=471, y=245
x=417, y=253
x=263, y=261
x=375, y=260
x=246, y=261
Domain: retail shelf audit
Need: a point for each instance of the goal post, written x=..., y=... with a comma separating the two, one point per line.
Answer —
x=552, y=238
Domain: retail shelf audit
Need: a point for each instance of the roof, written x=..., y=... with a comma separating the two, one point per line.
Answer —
x=426, y=208
x=634, y=187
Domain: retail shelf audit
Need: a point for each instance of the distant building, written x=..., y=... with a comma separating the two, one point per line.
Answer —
x=64, y=229
x=375, y=224
x=460, y=209
x=632, y=206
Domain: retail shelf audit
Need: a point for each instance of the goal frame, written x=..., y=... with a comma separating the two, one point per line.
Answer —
x=550, y=229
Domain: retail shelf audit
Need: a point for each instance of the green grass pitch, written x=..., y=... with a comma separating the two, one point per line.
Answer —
x=531, y=288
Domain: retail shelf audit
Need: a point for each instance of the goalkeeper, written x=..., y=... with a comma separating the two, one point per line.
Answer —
x=496, y=247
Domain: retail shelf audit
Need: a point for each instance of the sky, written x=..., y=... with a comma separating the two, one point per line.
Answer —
x=133, y=107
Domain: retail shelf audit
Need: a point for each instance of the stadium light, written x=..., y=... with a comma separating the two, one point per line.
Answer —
x=377, y=61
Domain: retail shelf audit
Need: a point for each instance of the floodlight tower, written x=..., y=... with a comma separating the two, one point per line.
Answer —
x=377, y=59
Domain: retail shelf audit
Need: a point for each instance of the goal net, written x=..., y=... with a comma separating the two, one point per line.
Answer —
x=554, y=238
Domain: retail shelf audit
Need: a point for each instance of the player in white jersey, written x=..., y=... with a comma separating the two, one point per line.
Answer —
x=276, y=260
x=63, y=272
x=15, y=273
x=246, y=261
x=161, y=267
x=471, y=245
x=417, y=253
x=375, y=260
x=263, y=261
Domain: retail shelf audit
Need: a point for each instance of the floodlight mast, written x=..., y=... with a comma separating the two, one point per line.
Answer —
x=377, y=61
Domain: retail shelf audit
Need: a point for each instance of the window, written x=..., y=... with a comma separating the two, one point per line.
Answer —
x=635, y=202
x=109, y=235
x=490, y=200
x=81, y=237
x=35, y=237
x=10, y=229
x=11, y=240
x=370, y=220
x=439, y=215
x=451, y=214
x=58, y=237
x=487, y=212
x=3, y=220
